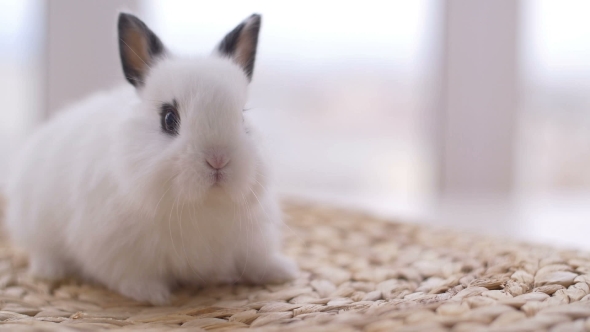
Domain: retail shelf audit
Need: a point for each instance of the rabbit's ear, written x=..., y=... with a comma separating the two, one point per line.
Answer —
x=139, y=47
x=240, y=44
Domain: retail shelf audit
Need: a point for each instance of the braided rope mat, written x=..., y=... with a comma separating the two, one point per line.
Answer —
x=358, y=274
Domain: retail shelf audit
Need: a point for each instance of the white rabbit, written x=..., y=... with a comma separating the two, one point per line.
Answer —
x=156, y=183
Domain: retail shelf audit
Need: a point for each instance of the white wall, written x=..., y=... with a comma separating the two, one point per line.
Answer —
x=81, y=50
x=478, y=104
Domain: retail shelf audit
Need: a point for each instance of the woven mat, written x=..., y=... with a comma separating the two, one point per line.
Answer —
x=359, y=274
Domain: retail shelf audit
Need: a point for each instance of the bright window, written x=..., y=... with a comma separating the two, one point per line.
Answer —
x=554, y=147
x=20, y=68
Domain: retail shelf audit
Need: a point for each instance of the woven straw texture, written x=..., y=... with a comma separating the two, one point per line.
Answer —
x=358, y=274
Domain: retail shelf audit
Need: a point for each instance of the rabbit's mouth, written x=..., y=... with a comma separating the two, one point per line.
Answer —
x=218, y=177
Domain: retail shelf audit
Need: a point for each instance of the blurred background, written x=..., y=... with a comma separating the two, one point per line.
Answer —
x=472, y=114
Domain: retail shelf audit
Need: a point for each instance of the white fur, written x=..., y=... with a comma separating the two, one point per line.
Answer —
x=102, y=192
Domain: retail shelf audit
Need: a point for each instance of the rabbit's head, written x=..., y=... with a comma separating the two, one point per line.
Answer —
x=187, y=134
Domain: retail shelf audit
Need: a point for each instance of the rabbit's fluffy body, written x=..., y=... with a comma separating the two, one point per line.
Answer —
x=101, y=192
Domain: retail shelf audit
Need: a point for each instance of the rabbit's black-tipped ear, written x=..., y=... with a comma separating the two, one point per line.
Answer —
x=139, y=47
x=240, y=44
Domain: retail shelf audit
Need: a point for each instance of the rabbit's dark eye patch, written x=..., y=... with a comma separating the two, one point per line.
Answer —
x=169, y=118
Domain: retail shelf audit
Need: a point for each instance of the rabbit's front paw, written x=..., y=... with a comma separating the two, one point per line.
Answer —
x=276, y=269
x=154, y=292
x=47, y=266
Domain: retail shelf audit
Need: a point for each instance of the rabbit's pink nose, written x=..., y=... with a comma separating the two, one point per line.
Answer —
x=217, y=160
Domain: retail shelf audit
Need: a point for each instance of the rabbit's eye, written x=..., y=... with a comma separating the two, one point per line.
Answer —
x=170, y=122
x=170, y=119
